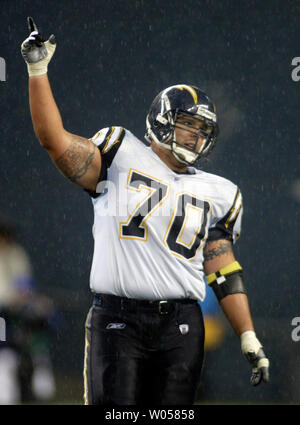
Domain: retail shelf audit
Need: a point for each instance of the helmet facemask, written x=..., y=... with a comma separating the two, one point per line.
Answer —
x=165, y=135
x=190, y=154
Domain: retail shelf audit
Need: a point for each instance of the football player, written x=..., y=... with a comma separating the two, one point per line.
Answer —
x=162, y=228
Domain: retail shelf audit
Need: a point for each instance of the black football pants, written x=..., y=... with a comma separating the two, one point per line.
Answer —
x=143, y=353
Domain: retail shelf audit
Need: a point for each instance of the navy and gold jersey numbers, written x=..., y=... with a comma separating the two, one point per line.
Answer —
x=135, y=227
x=188, y=225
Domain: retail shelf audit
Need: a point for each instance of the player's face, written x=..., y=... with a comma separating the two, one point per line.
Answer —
x=186, y=132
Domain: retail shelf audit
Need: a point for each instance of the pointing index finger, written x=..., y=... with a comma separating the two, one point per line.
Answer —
x=31, y=24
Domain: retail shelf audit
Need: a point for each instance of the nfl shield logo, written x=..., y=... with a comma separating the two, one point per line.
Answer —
x=184, y=329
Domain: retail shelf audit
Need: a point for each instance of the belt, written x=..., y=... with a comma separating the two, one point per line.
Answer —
x=130, y=304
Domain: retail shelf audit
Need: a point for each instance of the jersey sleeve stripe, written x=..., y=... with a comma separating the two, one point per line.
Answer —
x=107, y=138
x=111, y=139
x=235, y=209
x=112, y=145
x=224, y=228
x=108, y=149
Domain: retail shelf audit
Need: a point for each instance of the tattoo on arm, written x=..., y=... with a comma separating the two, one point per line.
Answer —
x=216, y=251
x=75, y=161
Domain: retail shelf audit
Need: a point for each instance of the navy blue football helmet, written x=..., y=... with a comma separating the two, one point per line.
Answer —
x=181, y=101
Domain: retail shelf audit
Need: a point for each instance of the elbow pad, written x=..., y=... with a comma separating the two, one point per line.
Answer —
x=226, y=281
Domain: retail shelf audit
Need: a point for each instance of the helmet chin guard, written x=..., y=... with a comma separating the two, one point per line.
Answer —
x=184, y=101
x=183, y=154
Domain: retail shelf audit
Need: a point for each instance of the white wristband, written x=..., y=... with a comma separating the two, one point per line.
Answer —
x=38, y=68
x=250, y=342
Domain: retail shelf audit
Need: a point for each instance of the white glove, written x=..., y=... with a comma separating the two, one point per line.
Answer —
x=252, y=350
x=37, y=52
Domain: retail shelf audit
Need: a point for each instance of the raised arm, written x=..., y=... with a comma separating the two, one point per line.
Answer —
x=75, y=156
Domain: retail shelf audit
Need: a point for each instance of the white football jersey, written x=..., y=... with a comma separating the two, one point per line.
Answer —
x=151, y=223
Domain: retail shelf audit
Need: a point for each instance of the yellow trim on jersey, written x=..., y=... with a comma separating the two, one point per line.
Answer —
x=107, y=139
x=230, y=268
x=230, y=218
x=151, y=190
x=104, y=150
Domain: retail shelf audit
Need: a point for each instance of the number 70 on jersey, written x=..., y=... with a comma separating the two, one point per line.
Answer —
x=188, y=225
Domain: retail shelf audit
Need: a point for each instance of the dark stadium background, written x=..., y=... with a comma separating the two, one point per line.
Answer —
x=112, y=57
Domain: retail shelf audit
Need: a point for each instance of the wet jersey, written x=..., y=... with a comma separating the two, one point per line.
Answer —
x=151, y=223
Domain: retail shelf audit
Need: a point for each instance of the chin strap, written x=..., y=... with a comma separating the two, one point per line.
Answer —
x=183, y=155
